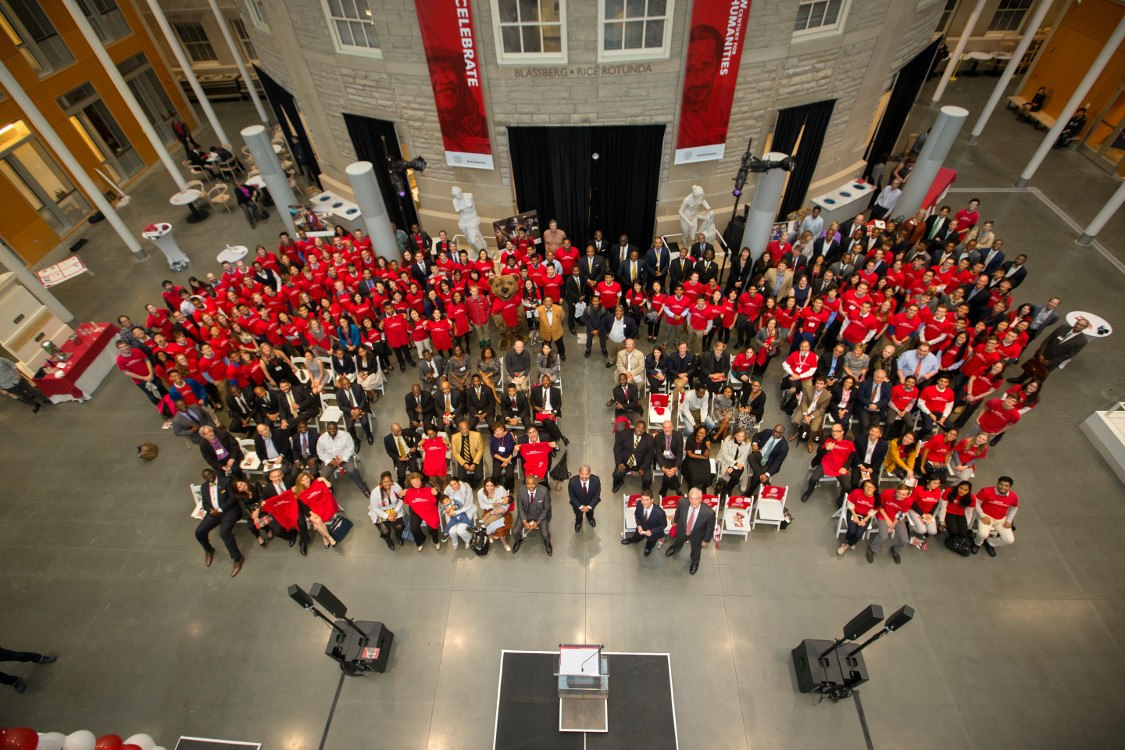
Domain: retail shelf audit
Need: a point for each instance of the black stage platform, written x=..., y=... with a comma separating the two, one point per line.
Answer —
x=527, y=708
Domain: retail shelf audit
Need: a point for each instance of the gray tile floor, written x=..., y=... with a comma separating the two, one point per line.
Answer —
x=98, y=563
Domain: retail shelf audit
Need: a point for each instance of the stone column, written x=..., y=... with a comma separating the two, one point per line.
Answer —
x=236, y=53
x=369, y=198
x=1108, y=210
x=31, y=282
x=763, y=208
x=258, y=141
x=956, y=56
x=942, y=135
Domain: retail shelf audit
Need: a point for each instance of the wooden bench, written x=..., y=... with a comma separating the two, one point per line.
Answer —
x=1016, y=102
x=1042, y=119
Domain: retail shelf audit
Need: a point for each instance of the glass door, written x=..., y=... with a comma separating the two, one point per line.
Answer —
x=1105, y=140
x=150, y=94
x=36, y=176
x=101, y=133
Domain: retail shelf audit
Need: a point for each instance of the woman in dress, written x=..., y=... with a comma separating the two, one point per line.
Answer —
x=489, y=368
x=385, y=510
x=316, y=495
x=422, y=501
x=495, y=511
x=723, y=411
x=697, y=463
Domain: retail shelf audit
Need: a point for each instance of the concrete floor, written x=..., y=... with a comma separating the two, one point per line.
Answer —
x=98, y=563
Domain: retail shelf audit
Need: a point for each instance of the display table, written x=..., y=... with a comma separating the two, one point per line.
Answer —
x=1099, y=326
x=328, y=203
x=161, y=236
x=256, y=181
x=941, y=184
x=188, y=198
x=845, y=202
x=92, y=357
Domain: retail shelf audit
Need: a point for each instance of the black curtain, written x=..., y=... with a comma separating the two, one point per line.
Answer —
x=555, y=174
x=799, y=132
x=910, y=80
x=285, y=110
x=368, y=136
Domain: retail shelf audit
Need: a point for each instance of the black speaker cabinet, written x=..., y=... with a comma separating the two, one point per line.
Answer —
x=370, y=652
x=838, y=668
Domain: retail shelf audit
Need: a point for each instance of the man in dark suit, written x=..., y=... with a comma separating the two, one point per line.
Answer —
x=870, y=450
x=221, y=451
x=657, y=260
x=633, y=453
x=189, y=419
x=597, y=322
x=620, y=253
x=699, y=247
x=585, y=492
x=1043, y=317
x=352, y=400
x=625, y=398
x=872, y=400
x=534, y=506
x=680, y=269
x=993, y=258
x=219, y=510
x=513, y=408
x=419, y=408
x=546, y=402
x=449, y=406
x=1014, y=270
x=592, y=270
x=714, y=367
x=600, y=243
x=632, y=270
x=695, y=523
x=293, y=403
x=273, y=448
x=240, y=409
x=303, y=448
x=480, y=402
x=849, y=229
x=574, y=291
x=707, y=268
x=937, y=225
x=1060, y=346
x=821, y=285
x=669, y=457
x=768, y=450
x=651, y=521
x=402, y=448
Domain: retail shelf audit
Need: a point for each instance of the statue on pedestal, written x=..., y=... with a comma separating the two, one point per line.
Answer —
x=696, y=216
x=468, y=220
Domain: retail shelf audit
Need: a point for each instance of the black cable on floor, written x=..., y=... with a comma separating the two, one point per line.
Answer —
x=336, y=699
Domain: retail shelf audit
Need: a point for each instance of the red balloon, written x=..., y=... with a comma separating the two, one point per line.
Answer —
x=108, y=742
x=20, y=738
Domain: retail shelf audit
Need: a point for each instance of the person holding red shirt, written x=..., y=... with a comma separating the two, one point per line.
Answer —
x=535, y=454
x=998, y=507
x=936, y=404
x=922, y=514
x=316, y=495
x=998, y=415
x=422, y=502
x=832, y=459
x=890, y=515
x=858, y=514
x=435, y=453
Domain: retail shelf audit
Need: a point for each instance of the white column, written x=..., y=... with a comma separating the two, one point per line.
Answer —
x=1074, y=102
x=942, y=135
x=48, y=134
x=372, y=208
x=31, y=282
x=1099, y=221
x=258, y=141
x=1010, y=69
x=956, y=57
x=224, y=25
x=763, y=208
x=114, y=74
x=185, y=66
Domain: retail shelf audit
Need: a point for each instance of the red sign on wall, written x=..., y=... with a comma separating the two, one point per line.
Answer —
x=453, y=55
x=718, y=28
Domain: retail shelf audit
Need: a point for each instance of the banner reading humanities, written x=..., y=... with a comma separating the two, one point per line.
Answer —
x=711, y=72
x=454, y=59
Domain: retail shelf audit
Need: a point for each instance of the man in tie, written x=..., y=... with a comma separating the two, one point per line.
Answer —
x=633, y=454
x=480, y=402
x=872, y=400
x=430, y=370
x=585, y=492
x=467, y=447
x=625, y=398
x=449, y=407
x=551, y=316
x=657, y=260
x=513, y=408
x=352, y=400
x=651, y=521
x=189, y=419
x=419, y=408
x=221, y=511
x=402, y=448
x=694, y=523
x=768, y=450
x=242, y=412
x=630, y=362
x=534, y=506
x=669, y=457
x=303, y=448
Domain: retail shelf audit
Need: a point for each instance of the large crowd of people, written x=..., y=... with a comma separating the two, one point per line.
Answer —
x=886, y=342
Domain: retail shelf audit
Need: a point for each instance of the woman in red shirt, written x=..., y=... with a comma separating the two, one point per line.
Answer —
x=922, y=515
x=419, y=334
x=724, y=310
x=655, y=310
x=422, y=501
x=316, y=495
x=858, y=513
x=458, y=315
x=956, y=509
x=396, y=332
x=441, y=333
x=976, y=392
x=786, y=315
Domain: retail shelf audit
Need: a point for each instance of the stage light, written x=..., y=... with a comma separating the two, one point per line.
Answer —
x=418, y=164
x=328, y=600
x=787, y=164
x=299, y=595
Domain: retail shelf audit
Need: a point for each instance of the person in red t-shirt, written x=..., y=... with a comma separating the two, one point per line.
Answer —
x=890, y=515
x=998, y=506
x=858, y=514
x=422, y=501
x=935, y=454
x=922, y=514
x=832, y=459
x=535, y=454
x=936, y=404
x=137, y=366
x=956, y=509
x=609, y=291
x=435, y=450
x=998, y=416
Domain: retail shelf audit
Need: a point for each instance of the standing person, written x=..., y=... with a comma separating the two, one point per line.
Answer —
x=183, y=135
x=423, y=508
x=336, y=451
x=222, y=512
x=137, y=366
x=1061, y=346
x=998, y=506
x=585, y=492
x=534, y=504
x=695, y=523
x=12, y=383
x=550, y=317
x=24, y=656
x=247, y=198
x=385, y=510
x=651, y=522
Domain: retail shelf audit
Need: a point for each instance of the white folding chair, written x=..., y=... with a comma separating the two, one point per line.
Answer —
x=769, y=507
x=738, y=516
x=330, y=410
x=250, y=464
x=301, y=368
x=629, y=503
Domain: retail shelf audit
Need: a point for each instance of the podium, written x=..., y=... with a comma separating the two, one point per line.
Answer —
x=583, y=687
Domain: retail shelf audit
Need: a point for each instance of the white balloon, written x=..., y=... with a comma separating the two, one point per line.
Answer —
x=142, y=741
x=83, y=739
x=51, y=741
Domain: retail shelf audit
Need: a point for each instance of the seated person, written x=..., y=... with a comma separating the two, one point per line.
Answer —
x=651, y=523
x=625, y=398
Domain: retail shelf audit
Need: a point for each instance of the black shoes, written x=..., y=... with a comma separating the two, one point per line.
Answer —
x=616, y=487
x=804, y=497
x=629, y=540
x=608, y=365
x=895, y=556
x=19, y=686
x=670, y=551
x=34, y=410
x=550, y=550
x=593, y=523
x=292, y=541
x=304, y=548
x=370, y=440
x=516, y=546
x=390, y=544
x=990, y=549
x=870, y=555
x=587, y=355
x=577, y=527
x=694, y=567
x=46, y=659
x=648, y=551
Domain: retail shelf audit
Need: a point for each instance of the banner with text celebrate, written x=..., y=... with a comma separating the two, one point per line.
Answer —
x=718, y=28
x=453, y=56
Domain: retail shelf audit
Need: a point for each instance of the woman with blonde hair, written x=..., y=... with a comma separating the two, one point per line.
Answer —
x=316, y=495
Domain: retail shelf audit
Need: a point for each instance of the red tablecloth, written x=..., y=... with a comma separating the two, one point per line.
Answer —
x=92, y=341
x=945, y=178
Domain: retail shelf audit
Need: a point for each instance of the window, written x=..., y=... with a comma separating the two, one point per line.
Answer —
x=195, y=41
x=35, y=175
x=819, y=15
x=530, y=30
x=150, y=93
x=106, y=18
x=32, y=33
x=946, y=14
x=353, y=28
x=1009, y=15
x=243, y=38
x=635, y=29
x=257, y=15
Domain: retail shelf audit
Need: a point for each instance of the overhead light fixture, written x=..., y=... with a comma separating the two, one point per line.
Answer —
x=787, y=164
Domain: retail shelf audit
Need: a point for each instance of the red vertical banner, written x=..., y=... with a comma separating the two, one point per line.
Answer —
x=718, y=28
x=453, y=56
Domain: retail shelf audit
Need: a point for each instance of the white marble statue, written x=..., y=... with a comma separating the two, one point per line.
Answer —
x=468, y=219
x=696, y=216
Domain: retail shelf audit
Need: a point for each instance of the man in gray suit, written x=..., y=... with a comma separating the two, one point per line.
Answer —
x=189, y=419
x=1043, y=317
x=695, y=523
x=534, y=504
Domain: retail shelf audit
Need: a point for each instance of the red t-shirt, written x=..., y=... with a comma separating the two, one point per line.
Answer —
x=609, y=294
x=994, y=505
x=536, y=458
x=952, y=508
x=135, y=362
x=675, y=309
x=924, y=501
x=434, y=463
x=319, y=499
x=889, y=502
x=937, y=449
x=902, y=399
x=995, y=417
x=836, y=454
x=859, y=327
x=861, y=503
x=424, y=504
x=937, y=401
